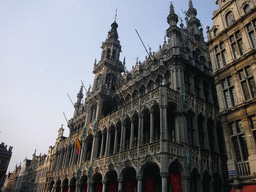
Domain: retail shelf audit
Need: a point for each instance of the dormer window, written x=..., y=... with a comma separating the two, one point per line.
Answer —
x=246, y=8
x=230, y=18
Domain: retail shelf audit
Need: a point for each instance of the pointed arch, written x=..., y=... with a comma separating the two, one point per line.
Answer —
x=111, y=179
x=97, y=182
x=83, y=182
x=167, y=77
x=129, y=179
x=73, y=185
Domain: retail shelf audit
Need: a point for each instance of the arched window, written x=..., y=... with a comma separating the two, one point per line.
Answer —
x=230, y=18
x=246, y=8
x=111, y=81
x=114, y=54
x=108, y=53
x=215, y=32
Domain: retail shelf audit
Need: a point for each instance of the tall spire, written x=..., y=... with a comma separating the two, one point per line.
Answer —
x=172, y=9
x=190, y=4
x=172, y=18
x=192, y=12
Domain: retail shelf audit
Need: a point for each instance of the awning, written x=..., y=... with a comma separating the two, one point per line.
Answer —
x=249, y=188
x=246, y=188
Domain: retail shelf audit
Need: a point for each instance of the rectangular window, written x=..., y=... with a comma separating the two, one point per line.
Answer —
x=247, y=83
x=239, y=141
x=237, y=44
x=251, y=28
x=229, y=92
x=221, y=55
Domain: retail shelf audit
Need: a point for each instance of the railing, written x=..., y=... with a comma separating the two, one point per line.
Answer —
x=151, y=148
x=175, y=149
x=243, y=168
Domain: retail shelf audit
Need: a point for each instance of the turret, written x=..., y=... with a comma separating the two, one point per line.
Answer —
x=78, y=103
x=193, y=23
x=173, y=32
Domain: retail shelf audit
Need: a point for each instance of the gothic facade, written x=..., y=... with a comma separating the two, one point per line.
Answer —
x=232, y=43
x=153, y=128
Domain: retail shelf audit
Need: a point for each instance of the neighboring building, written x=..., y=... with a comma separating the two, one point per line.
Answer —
x=5, y=156
x=11, y=179
x=31, y=176
x=149, y=129
x=232, y=44
x=153, y=128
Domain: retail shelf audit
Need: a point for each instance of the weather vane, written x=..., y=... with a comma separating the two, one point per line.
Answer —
x=116, y=14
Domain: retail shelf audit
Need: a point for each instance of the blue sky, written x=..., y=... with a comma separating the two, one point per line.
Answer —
x=48, y=46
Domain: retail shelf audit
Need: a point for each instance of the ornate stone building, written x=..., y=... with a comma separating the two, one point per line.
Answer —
x=232, y=43
x=5, y=156
x=153, y=128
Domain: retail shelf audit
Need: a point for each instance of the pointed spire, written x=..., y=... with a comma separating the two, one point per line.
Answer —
x=80, y=95
x=190, y=4
x=192, y=12
x=172, y=18
x=172, y=9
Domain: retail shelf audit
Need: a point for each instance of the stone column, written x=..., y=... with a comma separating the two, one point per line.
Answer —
x=122, y=137
x=139, y=187
x=120, y=185
x=132, y=134
x=115, y=142
x=151, y=126
x=72, y=156
x=104, y=188
x=140, y=129
x=102, y=144
x=107, y=144
x=89, y=186
x=164, y=182
x=124, y=132
x=95, y=146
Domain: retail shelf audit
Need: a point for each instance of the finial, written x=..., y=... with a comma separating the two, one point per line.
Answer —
x=190, y=4
x=116, y=15
x=172, y=9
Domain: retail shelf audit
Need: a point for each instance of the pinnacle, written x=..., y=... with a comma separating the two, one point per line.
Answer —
x=172, y=9
x=190, y=5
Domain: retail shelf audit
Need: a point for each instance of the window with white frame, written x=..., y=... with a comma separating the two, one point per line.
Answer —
x=247, y=82
x=251, y=28
x=239, y=141
x=229, y=92
x=221, y=55
x=237, y=44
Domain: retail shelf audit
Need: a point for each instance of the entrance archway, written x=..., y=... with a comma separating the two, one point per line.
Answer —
x=97, y=182
x=73, y=185
x=174, y=180
x=151, y=180
x=112, y=184
x=129, y=180
x=65, y=185
x=84, y=183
